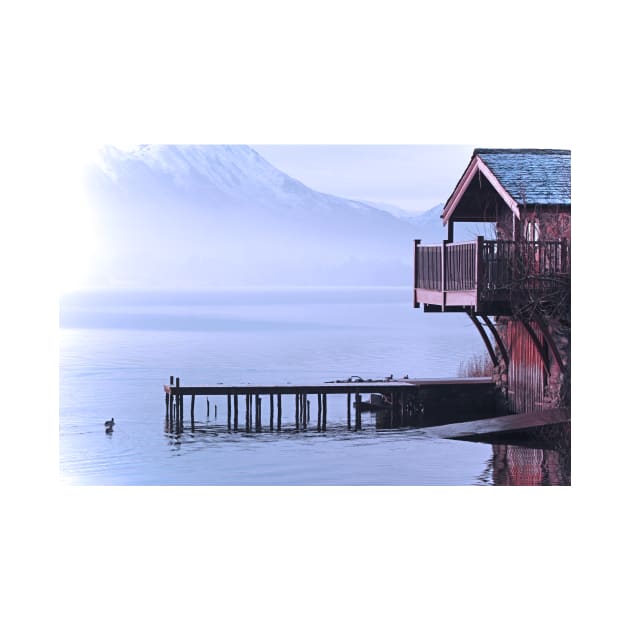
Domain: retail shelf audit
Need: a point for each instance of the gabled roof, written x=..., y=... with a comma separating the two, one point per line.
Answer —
x=520, y=176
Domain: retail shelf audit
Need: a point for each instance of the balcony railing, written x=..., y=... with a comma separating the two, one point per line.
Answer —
x=481, y=273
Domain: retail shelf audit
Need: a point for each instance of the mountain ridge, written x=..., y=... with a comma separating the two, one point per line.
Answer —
x=216, y=215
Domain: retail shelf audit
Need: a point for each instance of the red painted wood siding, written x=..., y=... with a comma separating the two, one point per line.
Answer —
x=526, y=373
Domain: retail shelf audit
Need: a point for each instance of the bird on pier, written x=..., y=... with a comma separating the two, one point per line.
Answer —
x=109, y=425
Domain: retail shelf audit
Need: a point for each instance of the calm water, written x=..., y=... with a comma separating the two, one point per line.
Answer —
x=118, y=349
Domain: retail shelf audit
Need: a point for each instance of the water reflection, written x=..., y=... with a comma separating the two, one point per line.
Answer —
x=514, y=465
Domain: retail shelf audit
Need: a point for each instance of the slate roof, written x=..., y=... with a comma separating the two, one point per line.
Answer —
x=532, y=176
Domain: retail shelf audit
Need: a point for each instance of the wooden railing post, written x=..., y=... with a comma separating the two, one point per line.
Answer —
x=478, y=271
x=443, y=269
x=416, y=246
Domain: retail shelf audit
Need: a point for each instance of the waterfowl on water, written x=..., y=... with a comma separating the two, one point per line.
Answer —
x=109, y=425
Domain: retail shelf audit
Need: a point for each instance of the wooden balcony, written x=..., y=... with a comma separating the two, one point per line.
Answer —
x=489, y=277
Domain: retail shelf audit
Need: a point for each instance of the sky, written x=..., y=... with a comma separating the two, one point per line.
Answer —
x=411, y=177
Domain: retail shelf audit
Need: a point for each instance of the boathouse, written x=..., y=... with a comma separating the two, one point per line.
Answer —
x=516, y=286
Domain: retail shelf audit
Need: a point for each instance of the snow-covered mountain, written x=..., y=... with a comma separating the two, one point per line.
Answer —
x=193, y=216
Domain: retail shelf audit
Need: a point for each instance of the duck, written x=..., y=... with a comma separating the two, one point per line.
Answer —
x=109, y=425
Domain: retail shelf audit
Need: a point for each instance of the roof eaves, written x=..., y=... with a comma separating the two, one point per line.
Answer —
x=476, y=165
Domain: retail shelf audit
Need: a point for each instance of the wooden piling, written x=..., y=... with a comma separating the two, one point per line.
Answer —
x=170, y=405
x=207, y=407
x=297, y=411
x=319, y=412
x=192, y=412
x=349, y=411
x=179, y=408
x=258, y=413
x=324, y=412
x=279, y=411
x=229, y=412
x=357, y=412
x=271, y=412
x=235, y=412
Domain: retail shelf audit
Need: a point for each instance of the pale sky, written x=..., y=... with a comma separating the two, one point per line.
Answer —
x=412, y=177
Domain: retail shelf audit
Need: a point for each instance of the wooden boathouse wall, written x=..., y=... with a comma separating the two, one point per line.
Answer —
x=526, y=375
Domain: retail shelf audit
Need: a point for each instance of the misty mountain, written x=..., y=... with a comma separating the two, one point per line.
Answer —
x=427, y=224
x=391, y=209
x=195, y=216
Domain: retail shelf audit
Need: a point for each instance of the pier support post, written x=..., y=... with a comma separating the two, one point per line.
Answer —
x=357, y=412
x=271, y=412
x=297, y=412
x=236, y=412
x=207, y=407
x=324, y=411
x=229, y=412
x=258, y=414
x=279, y=411
x=192, y=412
x=319, y=412
x=180, y=415
x=349, y=411
x=170, y=405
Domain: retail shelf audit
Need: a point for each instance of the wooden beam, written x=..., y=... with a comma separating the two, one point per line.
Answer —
x=478, y=265
x=477, y=165
x=497, y=338
x=550, y=340
x=416, y=244
x=484, y=336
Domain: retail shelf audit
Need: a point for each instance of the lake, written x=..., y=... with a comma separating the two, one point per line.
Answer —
x=118, y=348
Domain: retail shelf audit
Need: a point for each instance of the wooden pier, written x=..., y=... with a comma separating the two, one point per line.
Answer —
x=405, y=398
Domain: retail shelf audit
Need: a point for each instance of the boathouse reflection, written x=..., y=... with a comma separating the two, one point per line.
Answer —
x=523, y=466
